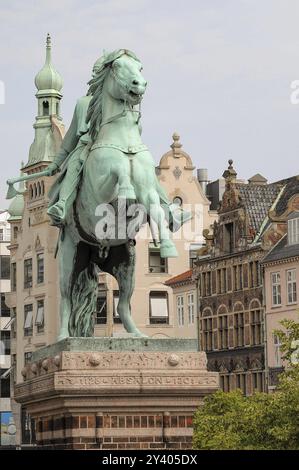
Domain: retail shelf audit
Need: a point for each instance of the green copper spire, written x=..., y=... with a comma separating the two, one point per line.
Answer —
x=48, y=78
x=48, y=123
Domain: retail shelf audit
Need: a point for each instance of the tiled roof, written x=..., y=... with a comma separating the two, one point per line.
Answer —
x=257, y=200
x=291, y=188
x=183, y=277
x=282, y=251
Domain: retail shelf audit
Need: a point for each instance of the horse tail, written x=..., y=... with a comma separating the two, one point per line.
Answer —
x=83, y=302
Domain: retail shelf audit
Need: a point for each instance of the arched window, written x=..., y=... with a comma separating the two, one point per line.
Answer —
x=30, y=191
x=35, y=190
x=45, y=108
x=15, y=232
x=57, y=109
x=239, y=330
x=207, y=329
x=43, y=188
x=38, y=189
x=223, y=325
x=256, y=322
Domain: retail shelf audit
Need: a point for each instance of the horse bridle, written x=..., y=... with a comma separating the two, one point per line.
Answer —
x=125, y=109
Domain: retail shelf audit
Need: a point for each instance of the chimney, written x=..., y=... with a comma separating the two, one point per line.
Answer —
x=202, y=176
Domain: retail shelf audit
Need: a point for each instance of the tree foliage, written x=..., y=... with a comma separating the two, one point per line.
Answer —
x=261, y=421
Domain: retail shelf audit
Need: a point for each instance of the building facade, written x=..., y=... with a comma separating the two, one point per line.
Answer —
x=7, y=430
x=281, y=281
x=230, y=282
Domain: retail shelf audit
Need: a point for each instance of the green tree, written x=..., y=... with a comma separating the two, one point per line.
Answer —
x=261, y=421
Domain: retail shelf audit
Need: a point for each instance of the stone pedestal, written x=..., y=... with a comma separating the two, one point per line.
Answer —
x=115, y=393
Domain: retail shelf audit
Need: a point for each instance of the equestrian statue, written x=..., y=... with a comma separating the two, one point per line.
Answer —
x=104, y=168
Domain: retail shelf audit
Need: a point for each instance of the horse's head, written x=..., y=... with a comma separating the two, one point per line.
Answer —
x=127, y=82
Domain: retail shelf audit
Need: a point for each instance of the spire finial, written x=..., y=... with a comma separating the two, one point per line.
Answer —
x=230, y=174
x=48, y=40
x=48, y=49
x=176, y=145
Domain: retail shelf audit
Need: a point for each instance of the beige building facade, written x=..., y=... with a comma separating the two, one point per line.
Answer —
x=281, y=281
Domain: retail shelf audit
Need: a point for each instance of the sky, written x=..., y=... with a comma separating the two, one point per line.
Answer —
x=219, y=73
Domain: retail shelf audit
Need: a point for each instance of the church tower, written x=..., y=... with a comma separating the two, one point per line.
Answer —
x=34, y=294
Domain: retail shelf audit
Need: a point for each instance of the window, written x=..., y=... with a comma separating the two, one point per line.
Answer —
x=159, y=307
x=293, y=231
x=219, y=283
x=57, y=109
x=223, y=331
x=27, y=273
x=116, y=317
x=256, y=327
x=40, y=268
x=45, y=108
x=101, y=313
x=257, y=382
x=241, y=382
x=239, y=329
x=5, y=310
x=291, y=286
x=1, y=234
x=228, y=232
x=40, y=316
x=13, y=277
x=240, y=268
x=27, y=357
x=251, y=274
x=4, y=384
x=28, y=320
x=180, y=309
x=207, y=329
x=191, y=308
x=156, y=263
x=208, y=279
x=15, y=232
x=4, y=267
x=277, y=351
x=223, y=280
x=235, y=271
x=203, y=285
x=276, y=289
x=5, y=341
x=225, y=383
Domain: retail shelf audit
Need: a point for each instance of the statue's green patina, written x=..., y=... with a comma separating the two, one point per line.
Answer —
x=104, y=161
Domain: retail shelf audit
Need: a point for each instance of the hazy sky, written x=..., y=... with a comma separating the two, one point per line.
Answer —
x=218, y=72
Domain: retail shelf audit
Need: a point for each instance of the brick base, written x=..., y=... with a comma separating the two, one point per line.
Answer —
x=103, y=431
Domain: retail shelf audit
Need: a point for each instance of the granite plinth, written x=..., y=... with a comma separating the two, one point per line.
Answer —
x=115, y=393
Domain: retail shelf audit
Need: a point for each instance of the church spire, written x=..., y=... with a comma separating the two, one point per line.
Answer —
x=48, y=120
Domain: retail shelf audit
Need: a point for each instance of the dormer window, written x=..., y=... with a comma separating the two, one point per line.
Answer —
x=293, y=230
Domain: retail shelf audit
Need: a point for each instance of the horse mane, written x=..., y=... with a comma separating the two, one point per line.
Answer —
x=95, y=108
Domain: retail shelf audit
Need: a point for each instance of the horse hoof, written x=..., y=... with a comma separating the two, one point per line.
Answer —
x=168, y=250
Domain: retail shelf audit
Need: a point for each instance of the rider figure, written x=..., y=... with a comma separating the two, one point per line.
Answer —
x=70, y=159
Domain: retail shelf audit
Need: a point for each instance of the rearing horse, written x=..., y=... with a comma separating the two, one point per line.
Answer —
x=117, y=167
